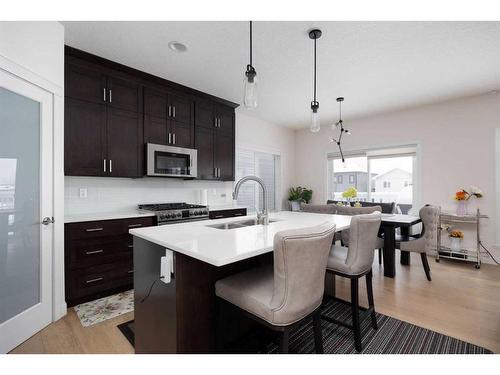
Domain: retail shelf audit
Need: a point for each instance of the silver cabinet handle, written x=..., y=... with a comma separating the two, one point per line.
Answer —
x=104, y=168
x=169, y=138
x=169, y=111
x=173, y=136
x=104, y=94
x=218, y=216
x=48, y=220
x=94, y=252
x=94, y=280
x=174, y=112
x=131, y=271
x=215, y=172
x=134, y=225
x=130, y=246
x=218, y=122
x=110, y=165
x=215, y=122
x=111, y=96
x=219, y=172
x=94, y=229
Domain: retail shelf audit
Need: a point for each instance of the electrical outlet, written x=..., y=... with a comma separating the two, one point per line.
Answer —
x=82, y=193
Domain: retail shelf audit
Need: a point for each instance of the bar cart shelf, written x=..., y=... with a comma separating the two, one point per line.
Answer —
x=466, y=254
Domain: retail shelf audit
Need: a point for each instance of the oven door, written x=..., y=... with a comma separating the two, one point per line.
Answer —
x=167, y=161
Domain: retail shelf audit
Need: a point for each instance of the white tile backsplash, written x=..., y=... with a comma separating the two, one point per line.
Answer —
x=107, y=194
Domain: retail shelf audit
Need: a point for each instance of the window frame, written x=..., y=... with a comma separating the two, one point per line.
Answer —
x=381, y=152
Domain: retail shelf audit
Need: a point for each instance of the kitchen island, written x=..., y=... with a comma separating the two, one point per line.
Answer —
x=180, y=316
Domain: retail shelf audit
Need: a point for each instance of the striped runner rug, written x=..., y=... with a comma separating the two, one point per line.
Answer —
x=392, y=337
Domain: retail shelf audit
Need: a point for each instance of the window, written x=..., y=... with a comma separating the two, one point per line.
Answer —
x=379, y=175
x=339, y=179
x=267, y=167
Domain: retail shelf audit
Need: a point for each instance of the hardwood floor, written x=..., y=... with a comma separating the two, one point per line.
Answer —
x=460, y=301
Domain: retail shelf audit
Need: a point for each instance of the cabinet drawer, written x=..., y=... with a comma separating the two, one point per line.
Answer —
x=100, y=278
x=104, y=228
x=95, y=251
x=220, y=214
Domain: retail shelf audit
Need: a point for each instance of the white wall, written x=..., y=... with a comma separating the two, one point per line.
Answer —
x=37, y=46
x=457, y=141
x=106, y=194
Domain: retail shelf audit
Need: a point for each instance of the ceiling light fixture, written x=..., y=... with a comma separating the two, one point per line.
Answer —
x=250, y=81
x=177, y=46
x=340, y=124
x=315, y=123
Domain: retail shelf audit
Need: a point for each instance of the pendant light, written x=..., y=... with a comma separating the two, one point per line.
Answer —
x=343, y=130
x=250, y=81
x=315, y=122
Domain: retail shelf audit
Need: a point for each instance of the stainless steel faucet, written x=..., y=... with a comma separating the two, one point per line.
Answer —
x=262, y=218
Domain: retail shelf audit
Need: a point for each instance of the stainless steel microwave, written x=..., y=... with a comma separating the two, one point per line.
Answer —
x=168, y=161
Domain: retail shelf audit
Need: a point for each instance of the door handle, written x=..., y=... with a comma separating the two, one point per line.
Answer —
x=111, y=96
x=110, y=165
x=48, y=220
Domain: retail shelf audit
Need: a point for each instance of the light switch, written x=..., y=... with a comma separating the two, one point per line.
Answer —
x=83, y=192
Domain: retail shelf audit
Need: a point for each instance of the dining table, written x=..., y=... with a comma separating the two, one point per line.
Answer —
x=390, y=223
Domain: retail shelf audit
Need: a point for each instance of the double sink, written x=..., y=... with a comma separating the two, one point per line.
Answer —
x=238, y=224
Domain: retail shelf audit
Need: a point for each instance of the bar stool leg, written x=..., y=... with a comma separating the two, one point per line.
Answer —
x=355, y=314
x=371, y=304
x=285, y=338
x=318, y=336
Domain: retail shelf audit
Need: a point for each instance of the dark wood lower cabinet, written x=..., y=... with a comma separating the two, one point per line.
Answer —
x=99, y=258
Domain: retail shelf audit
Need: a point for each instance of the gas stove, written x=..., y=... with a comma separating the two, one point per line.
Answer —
x=167, y=213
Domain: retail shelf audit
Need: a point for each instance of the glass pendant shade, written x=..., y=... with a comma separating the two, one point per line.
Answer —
x=250, y=93
x=315, y=122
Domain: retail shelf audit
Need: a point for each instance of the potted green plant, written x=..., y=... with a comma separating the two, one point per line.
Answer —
x=295, y=197
x=307, y=195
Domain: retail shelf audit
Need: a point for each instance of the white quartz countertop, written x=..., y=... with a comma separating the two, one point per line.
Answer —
x=77, y=218
x=220, y=247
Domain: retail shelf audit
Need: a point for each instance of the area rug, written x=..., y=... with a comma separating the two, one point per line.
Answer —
x=392, y=337
x=102, y=309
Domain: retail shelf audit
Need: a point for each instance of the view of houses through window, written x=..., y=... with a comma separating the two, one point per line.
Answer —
x=378, y=176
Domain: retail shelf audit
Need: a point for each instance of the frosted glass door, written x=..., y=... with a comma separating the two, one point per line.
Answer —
x=25, y=198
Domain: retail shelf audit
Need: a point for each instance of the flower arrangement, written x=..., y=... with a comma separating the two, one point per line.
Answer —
x=357, y=204
x=456, y=234
x=350, y=192
x=464, y=195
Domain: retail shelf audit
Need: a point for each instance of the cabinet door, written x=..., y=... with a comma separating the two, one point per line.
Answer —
x=155, y=103
x=84, y=83
x=181, y=134
x=205, y=147
x=124, y=94
x=181, y=109
x=155, y=130
x=124, y=143
x=204, y=114
x=84, y=138
x=224, y=156
x=225, y=116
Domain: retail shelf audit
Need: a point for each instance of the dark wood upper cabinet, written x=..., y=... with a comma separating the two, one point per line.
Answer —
x=205, y=148
x=124, y=143
x=112, y=110
x=84, y=138
x=124, y=94
x=84, y=82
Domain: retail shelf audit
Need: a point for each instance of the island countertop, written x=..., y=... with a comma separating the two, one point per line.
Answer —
x=220, y=247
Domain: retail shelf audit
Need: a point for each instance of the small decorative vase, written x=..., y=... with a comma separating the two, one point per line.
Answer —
x=295, y=205
x=462, y=208
x=456, y=244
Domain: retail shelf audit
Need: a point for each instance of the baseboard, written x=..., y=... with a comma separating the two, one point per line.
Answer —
x=60, y=311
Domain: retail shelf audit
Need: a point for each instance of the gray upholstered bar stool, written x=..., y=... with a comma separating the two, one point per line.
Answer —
x=423, y=242
x=344, y=235
x=287, y=294
x=355, y=262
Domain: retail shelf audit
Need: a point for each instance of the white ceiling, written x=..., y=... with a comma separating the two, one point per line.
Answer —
x=377, y=66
